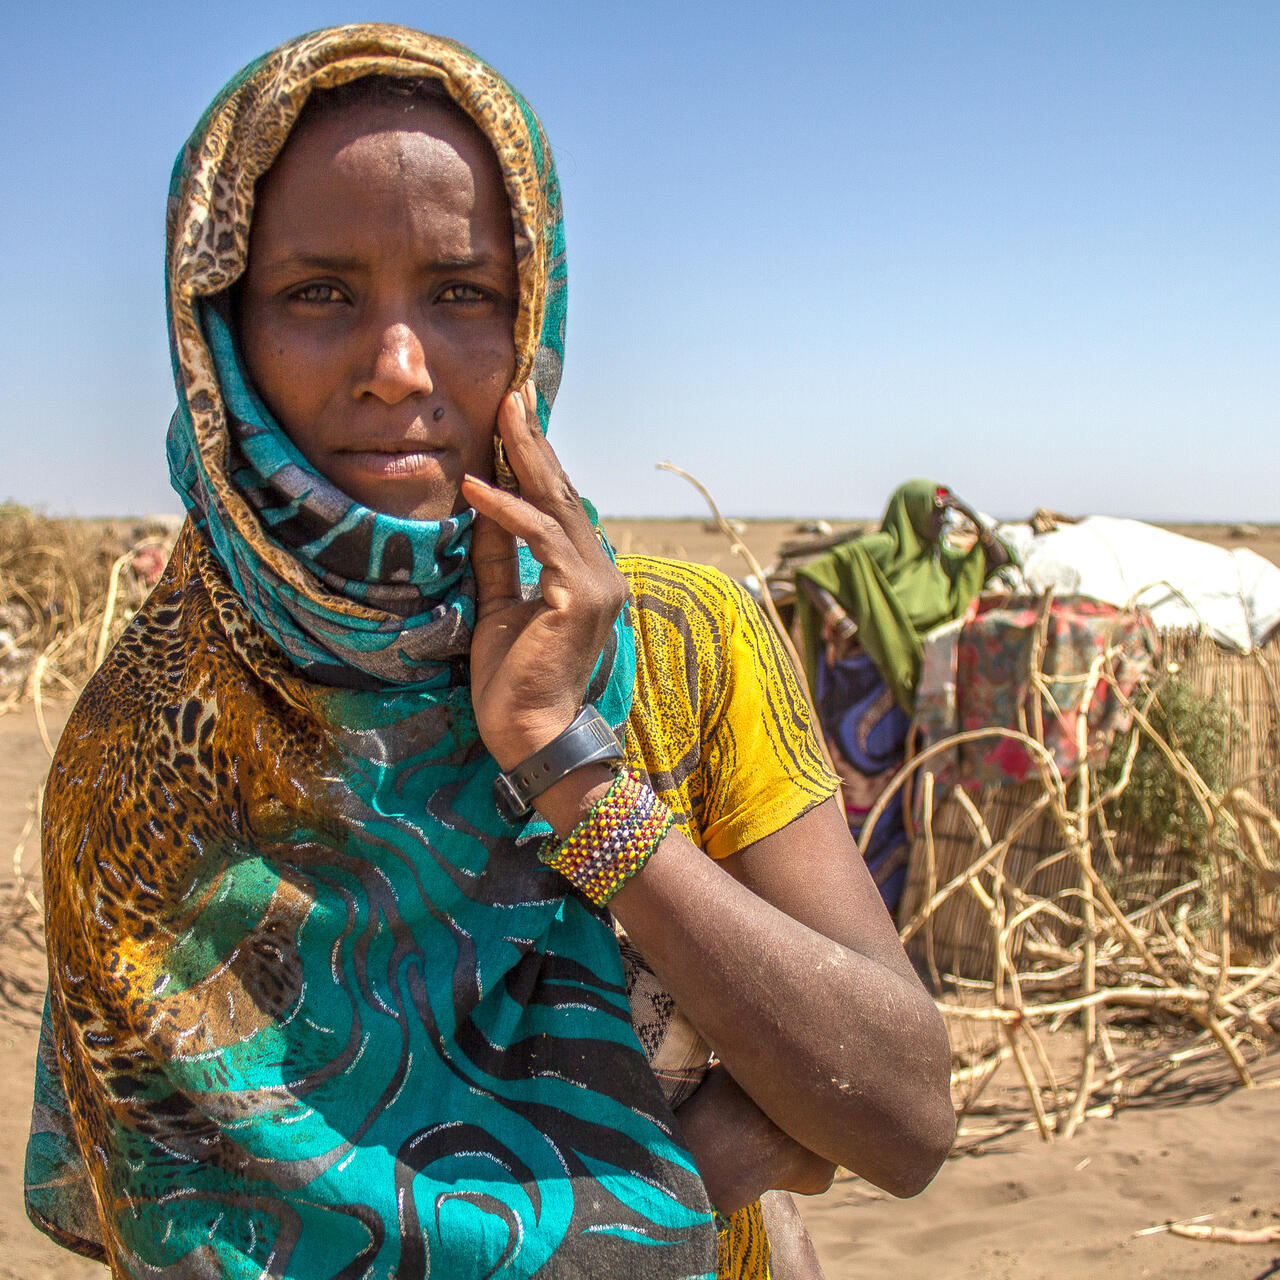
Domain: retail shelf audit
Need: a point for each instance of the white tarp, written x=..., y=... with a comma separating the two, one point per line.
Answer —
x=1182, y=582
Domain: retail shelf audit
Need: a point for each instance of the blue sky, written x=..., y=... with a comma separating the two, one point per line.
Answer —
x=1031, y=250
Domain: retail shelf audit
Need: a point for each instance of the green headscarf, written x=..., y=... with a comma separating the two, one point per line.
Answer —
x=897, y=585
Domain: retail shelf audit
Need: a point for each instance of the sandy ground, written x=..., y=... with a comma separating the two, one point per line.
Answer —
x=1021, y=1208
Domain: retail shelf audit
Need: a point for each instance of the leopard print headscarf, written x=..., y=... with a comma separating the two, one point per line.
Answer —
x=384, y=600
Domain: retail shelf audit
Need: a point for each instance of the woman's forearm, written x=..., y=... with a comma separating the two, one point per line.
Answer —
x=843, y=1054
x=740, y=1152
x=823, y=1023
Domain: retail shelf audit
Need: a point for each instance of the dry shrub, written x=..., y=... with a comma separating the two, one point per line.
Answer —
x=55, y=589
x=1156, y=798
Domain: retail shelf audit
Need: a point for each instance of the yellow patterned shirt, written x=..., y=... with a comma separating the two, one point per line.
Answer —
x=718, y=722
x=720, y=727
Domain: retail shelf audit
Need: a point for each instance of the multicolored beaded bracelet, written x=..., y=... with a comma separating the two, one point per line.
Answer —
x=613, y=841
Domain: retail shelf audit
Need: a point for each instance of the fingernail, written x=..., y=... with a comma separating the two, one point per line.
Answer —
x=484, y=484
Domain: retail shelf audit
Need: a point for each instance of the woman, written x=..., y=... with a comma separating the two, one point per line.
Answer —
x=887, y=589
x=863, y=609
x=333, y=858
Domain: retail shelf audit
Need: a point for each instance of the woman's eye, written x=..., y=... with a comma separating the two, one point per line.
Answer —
x=464, y=293
x=317, y=293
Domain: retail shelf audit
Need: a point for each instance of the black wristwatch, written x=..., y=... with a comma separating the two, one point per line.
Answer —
x=587, y=740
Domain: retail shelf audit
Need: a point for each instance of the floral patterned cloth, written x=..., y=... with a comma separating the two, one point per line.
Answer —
x=978, y=674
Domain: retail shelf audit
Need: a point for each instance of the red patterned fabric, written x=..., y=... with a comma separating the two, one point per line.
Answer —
x=980, y=676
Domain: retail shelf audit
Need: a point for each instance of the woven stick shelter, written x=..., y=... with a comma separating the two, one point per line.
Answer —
x=1010, y=888
x=958, y=935
x=1027, y=909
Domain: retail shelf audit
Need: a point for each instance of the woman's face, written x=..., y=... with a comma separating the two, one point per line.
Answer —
x=377, y=309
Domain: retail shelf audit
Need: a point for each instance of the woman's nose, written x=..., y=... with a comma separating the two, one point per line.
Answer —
x=399, y=367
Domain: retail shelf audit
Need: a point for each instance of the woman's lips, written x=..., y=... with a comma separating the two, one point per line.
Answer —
x=395, y=462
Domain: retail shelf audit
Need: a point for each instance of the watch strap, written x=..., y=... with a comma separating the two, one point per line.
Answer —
x=587, y=740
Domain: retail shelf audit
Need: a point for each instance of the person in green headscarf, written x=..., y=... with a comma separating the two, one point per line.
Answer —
x=897, y=584
x=347, y=839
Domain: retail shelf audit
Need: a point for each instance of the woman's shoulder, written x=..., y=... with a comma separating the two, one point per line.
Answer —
x=718, y=720
x=665, y=589
x=696, y=618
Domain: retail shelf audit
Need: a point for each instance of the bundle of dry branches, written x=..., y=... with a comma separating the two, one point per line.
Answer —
x=67, y=590
x=1082, y=954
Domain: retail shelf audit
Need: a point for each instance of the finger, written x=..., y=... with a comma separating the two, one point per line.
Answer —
x=520, y=519
x=494, y=562
x=543, y=481
x=567, y=579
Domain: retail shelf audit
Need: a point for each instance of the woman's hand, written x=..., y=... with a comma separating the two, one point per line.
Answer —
x=740, y=1152
x=531, y=660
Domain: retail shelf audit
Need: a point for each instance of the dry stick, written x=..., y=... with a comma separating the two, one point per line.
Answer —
x=1253, y=844
x=1010, y=1031
x=113, y=587
x=1108, y=1047
x=35, y=684
x=924, y=914
x=1224, y=928
x=1224, y=1235
x=53, y=673
x=109, y=609
x=930, y=877
x=73, y=592
x=1239, y=798
x=1164, y=1226
x=56, y=647
x=766, y=600
x=1083, y=850
x=21, y=893
x=996, y=912
x=1039, y=642
x=1044, y=760
x=1004, y=934
x=37, y=697
x=1259, y=979
x=1204, y=1017
x=1269, y=680
x=1027, y=1027
x=1044, y=906
x=1202, y=1048
x=991, y=1067
x=984, y=1068
x=1129, y=997
x=974, y=885
x=1102, y=1111
x=1163, y=901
